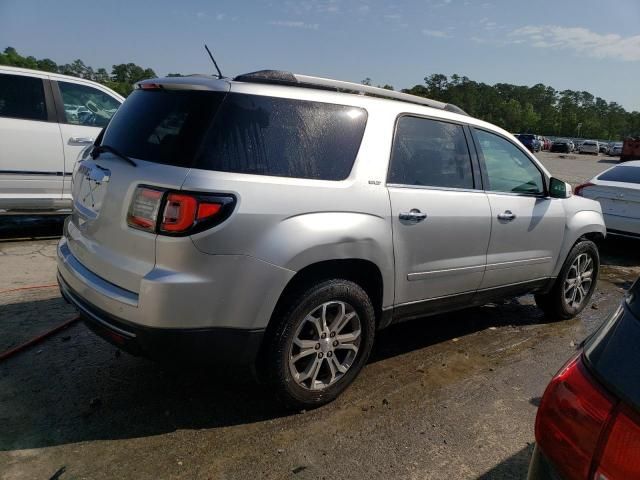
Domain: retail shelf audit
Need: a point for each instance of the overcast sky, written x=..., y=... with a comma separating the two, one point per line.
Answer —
x=568, y=44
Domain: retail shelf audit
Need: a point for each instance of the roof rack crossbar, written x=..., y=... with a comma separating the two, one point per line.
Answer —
x=360, y=88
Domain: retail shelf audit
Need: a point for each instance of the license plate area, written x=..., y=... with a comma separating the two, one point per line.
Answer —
x=89, y=189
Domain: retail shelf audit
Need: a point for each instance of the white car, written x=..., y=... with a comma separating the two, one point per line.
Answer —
x=616, y=149
x=46, y=119
x=590, y=146
x=618, y=191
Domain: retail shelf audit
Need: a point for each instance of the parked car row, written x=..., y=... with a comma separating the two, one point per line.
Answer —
x=534, y=143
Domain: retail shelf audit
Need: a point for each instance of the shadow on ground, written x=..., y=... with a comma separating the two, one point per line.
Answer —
x=81, y=389
x=513, y=468
x=620, y=251
x=28, y=227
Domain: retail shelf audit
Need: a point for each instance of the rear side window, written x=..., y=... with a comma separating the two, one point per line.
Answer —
x=625, y=174
x=239, y=133
x=430, y=153
x=283, y=137
x=22, y=97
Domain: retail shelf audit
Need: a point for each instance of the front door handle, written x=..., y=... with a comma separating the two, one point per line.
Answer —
x=413, y=216
x=508, y=215
x=80, y=141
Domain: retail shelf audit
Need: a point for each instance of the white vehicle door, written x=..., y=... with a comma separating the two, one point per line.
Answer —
x=31, y=159
x=85, y=110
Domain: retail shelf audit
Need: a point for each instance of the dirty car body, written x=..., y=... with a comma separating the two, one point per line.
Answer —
x=264, y=221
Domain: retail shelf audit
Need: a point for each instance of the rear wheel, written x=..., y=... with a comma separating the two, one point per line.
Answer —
x=575, y=285
x=320, y=343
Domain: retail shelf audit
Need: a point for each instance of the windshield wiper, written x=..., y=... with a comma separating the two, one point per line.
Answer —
x=98, y=149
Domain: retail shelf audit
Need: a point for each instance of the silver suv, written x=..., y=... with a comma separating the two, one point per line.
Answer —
x=280, y=220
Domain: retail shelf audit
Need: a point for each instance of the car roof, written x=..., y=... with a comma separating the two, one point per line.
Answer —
x=58, y=76
x=322, y=92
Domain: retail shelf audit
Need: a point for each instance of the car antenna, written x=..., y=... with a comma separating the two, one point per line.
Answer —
x=213, y=60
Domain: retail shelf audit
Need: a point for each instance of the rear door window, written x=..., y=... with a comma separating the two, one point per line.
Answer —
x=430, y=153
x=22, y=97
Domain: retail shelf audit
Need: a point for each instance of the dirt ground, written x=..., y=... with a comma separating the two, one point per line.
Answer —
x=452, y=396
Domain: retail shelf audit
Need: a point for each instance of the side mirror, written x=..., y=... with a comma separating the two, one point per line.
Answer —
x=559, y=189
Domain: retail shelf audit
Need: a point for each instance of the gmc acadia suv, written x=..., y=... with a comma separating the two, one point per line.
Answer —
x=280, y=220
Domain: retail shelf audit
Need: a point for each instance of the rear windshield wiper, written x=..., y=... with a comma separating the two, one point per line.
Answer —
x=98, y=149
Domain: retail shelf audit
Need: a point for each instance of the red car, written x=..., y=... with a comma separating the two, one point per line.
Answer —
x=588, y=423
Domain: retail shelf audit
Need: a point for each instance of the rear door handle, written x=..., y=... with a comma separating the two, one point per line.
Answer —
x=413, y=216
x=80, y=140
x=508, y=215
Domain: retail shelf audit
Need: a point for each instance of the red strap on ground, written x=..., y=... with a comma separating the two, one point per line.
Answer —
x=39, y=338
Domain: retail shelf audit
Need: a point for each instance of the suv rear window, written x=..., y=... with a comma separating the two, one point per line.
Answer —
x=625, y=174
x=239, y=133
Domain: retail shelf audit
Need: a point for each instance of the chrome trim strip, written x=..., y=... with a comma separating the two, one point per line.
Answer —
x=449, y=271
x=467, y=292
x=518, y=263
x=91, y=280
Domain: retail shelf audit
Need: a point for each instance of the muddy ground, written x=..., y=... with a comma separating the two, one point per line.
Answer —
x=452, y=396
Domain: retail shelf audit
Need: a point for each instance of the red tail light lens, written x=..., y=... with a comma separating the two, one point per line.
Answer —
x=572, y=415
x=578, y=190
x=143, y=211
x=179, y=212
x=182, y=213
x=621, y=454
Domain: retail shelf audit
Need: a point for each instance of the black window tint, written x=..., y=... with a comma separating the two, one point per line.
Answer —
x=508, y=168
x=430, y=153
x=22, y=97
x=622, y=174
x=283, y=137
x=163, y=126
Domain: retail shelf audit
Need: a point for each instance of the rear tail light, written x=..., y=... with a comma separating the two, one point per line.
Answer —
x=586, y=432
x=143, y=211
x=177, y=213
x=620, y=457
x=572, y=416
x=578, y=190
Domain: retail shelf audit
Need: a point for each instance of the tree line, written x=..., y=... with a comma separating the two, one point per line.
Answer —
x=538, y=109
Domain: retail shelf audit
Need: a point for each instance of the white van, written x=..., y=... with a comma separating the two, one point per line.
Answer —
x=45, y=121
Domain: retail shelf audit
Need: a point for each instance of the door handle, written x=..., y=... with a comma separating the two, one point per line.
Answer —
x=508, y=215
x=80, y=140
x=413, y=216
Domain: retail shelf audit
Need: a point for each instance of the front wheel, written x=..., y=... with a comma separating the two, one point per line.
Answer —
x=575, y=284
x=320, y=343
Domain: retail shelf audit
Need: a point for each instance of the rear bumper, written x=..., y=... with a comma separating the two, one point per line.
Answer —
x=218, y=345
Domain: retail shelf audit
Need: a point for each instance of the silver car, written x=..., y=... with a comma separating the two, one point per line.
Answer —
x=279, y=221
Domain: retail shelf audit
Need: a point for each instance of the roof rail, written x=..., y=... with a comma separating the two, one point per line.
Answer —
x=294, y=79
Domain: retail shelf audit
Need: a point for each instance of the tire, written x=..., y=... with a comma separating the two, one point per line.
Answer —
x=300, y=325
x=557, y=305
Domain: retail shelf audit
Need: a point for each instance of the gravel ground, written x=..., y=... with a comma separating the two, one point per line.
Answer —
x=452, y=396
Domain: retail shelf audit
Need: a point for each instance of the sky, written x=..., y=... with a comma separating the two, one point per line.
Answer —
x=591, y=45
